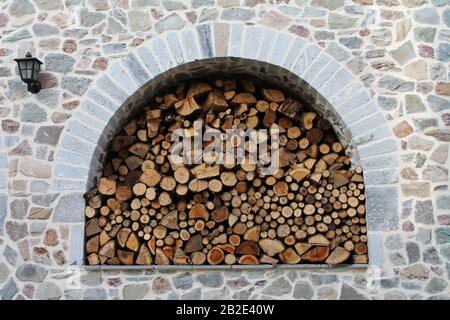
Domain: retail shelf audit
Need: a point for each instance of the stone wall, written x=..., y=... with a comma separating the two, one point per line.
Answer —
x=397, y=51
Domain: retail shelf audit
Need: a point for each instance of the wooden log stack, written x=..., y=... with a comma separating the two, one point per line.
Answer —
x=147, y=209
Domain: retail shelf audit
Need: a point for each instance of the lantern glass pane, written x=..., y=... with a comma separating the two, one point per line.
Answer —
x=37, y=66
x=29, y=69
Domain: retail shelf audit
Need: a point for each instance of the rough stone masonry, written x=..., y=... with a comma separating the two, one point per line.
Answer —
x=399, y=50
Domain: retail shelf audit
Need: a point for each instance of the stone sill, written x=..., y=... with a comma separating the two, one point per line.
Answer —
x=227, y=267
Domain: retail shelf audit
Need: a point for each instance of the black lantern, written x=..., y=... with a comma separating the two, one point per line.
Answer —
x=29, y=69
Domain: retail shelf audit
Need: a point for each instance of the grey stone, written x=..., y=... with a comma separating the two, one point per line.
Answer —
x=427, y=16
x=413, y=3
x=237, y=14
x=75, y=85
x=39, y=186
x=338, y=21
x=445, y=252
x=10, y=255
x=171, y=22
x=48, y=135
x=48, y=291
x=350, y=293
x=183, y=281
x=424, y=212
x=44, y=30
x=19, y=208
x=70, y=208
x=443, y=52
x=49, y=4
x=139, y=20
x=382, y=204
x=440, y=3
x=18, y=35
x=443, y=202
x=114, y=48
x=208, y=14
x=351, y=42
x=423, y=235
x=199, y=3
x=4, y=272
x=337, y=51
x=414, y=104
x=59, y=62
x=91, y=278
x=278, y=287
x=393, y=242
x=426, y=34
x=44, y=199
x=440, y=155
x=173, y=296
x=115, y=27
x=48, y=97
x=135, y=291
x=431, y=255
x=194, y=294
x=90, y=18
x=210, y=279
x=438, y=71
x=438, y=104
x=32, y=113
x=387, y=102
x=404, y=53
x=395, y=84
x=413, y=251
x=16, y=230
x=95, y=294
x=435, y=173
x=173, y=4
x=436, y=285
x=3, y=211
x=389, y=283
x=407, y=208
x=397, y=259
x=31, y=272
x=9, y=290
x=320, y=279
x=331, y=5
x=19, y=8
x=303, y=290
x=446, y=17
x=381, y=37
x=421, y=124
x=442, y=235
x=221, y=294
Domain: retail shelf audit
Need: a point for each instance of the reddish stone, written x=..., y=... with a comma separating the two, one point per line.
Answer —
x=136, y=42
x=424, y=87
x=47, y=80
x=51, y=237
x=10, y=126
x=364, y=32
x=71, y=105
x=69, y=46
x=442, y=88
x=425, y=51
x=191, y=16
x=100, y=63
x=5, y=52
x=114, y=282
x=444, y=219
x=299, y=30
x=446, y=118
x=403, y=129
x=408, y=226
x=4, y=19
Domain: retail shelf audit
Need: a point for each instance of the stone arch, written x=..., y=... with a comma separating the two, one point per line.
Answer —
x=257, y=50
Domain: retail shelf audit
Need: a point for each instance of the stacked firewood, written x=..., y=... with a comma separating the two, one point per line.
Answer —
x=147, y=209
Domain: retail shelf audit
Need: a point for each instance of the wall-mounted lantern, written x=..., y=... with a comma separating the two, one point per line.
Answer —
x=29, y=69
